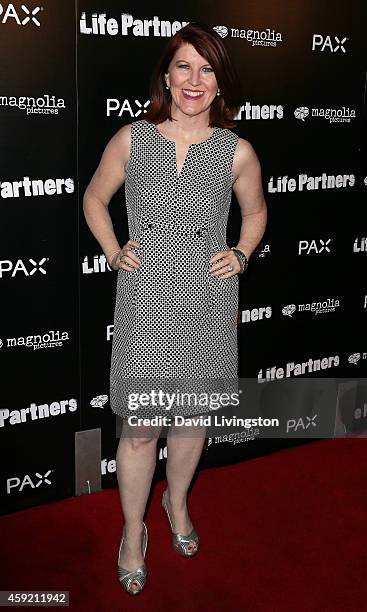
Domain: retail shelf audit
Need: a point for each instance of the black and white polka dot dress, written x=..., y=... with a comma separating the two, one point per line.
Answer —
x=175, y=324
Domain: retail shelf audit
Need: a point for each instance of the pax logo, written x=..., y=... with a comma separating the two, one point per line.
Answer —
x=334, y=44
x=301, y=423
x=313, y=247
x=34, y=481
x=22, y=16
x=117, y=107
x=28, y=267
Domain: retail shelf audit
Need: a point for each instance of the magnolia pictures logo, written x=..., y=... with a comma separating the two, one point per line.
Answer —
x=50, y=339
x=316, y=308
x=263, y=38
x=342, y=114
x=42, y=105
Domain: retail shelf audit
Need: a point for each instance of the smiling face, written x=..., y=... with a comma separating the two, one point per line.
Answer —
x=192, y=81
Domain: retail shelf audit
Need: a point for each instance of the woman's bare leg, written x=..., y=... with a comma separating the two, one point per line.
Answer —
x=183, y=454
x=135, y=465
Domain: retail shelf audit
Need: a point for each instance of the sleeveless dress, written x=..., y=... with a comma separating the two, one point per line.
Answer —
x=175, y=324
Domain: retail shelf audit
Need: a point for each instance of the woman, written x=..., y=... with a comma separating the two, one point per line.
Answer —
x=177, y=287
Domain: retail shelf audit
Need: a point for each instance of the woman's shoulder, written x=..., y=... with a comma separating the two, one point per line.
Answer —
x=136, y=128
x=245, y=156
x=244, y=150
x=126, y=137
x=124, y=133
x=139, y=124
x=227, y=134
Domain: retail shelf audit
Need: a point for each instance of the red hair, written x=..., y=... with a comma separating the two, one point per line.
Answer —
x=210, y=46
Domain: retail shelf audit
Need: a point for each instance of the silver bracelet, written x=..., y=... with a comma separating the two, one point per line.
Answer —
x=242, y=258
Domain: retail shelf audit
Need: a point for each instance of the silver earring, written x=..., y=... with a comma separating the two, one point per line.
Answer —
x=167, y=87
x=218, y=92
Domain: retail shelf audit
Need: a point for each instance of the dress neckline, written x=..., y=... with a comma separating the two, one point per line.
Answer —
x=192, y=144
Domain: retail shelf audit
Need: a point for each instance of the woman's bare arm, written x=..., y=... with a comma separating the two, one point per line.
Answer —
x=250, y=196
x=107, y=179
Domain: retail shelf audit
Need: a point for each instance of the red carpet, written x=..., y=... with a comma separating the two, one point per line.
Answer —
x=282, y=532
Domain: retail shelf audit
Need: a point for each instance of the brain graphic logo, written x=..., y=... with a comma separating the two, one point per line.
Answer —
x=301, y=113
x=354, y=358
x=221, y=30
x=365, y=180
x=99, y=401
x=287, y=311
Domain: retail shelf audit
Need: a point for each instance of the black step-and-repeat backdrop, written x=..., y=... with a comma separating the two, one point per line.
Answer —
x=72, y=75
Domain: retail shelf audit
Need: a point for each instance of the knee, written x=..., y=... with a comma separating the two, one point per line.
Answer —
x=137, y=443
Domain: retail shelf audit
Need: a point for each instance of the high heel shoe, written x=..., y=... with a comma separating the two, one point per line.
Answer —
x=186, y=545
x=126, y=577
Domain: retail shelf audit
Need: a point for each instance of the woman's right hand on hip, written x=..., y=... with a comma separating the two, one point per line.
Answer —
x=125, y=258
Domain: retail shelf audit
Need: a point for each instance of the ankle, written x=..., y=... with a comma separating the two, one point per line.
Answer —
x=133, y=528
x=177, y=504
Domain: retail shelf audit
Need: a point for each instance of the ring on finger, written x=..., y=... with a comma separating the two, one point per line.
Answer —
x=229, y=268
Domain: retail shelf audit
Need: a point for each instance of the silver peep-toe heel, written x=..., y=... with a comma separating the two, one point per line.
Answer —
x=126, y=577
x=186, y=545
